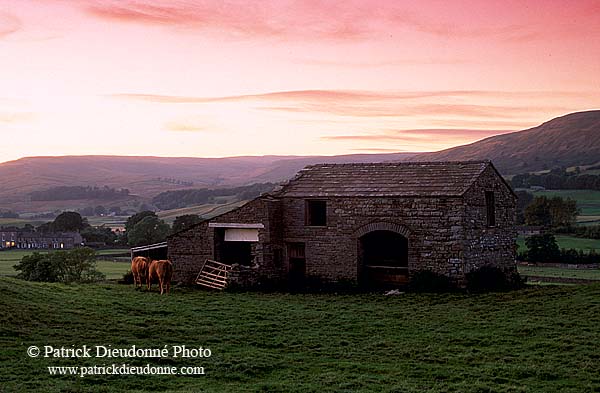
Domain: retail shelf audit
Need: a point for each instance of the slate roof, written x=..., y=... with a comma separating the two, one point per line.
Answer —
x=384, y=179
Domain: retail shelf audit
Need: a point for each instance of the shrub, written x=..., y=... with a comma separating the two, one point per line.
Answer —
x=127, y=278
x=428, y=281
x=493, y=279
x=78, y=265
x=542, y=248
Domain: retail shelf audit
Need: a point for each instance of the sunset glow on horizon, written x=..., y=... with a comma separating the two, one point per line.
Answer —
x=213, y=79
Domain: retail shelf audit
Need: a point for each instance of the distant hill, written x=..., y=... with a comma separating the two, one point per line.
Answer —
x=146, y=177
x=569, y=140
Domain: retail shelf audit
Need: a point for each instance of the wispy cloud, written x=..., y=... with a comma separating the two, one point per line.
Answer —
x=371, y=103
x=239, y=18
x=353, y=95
x=9, y=24
x=379, y=150
x=16, y=117
x=348, y=63
x=312, y=19
x=182, y=126
x=416, y=135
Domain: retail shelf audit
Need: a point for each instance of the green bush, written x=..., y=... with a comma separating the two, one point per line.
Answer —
x=127, y=278
x=493, y=279
x=77, y=265
x=428, y=281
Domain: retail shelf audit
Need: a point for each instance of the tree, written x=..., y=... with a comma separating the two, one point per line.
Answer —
x=551, y=212
x=99, y=235
x=542, y=248
x=131, y=221
x=149, y=230
x=69, y=222
x=563, y=211
x=185, y=221
x=538, y=212
x=100, y=210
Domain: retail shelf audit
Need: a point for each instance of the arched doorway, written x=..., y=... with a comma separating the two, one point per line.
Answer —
x=383, y=258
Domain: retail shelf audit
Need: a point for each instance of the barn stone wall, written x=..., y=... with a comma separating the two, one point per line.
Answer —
x=189, y=249
x=432, y=226
x=494, y=246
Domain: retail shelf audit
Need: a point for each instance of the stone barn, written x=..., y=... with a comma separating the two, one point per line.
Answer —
x=369, y=224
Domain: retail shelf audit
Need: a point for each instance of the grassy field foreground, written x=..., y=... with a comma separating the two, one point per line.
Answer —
x=537, y=339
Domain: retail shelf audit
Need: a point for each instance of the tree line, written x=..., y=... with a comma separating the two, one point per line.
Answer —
x=182, y=198
x=62, y=193
x=544, y=248
x=558, y=179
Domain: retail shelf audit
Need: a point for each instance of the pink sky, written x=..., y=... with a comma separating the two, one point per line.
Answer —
x=214, y=78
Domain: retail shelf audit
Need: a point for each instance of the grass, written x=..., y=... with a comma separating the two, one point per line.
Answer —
x=538, y=339
x=112, y=269
x=586, y=274
x=19, y=222
x=567, y=242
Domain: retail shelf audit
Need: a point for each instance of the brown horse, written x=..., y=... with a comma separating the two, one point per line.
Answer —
x=139, y=269
x=163, y=271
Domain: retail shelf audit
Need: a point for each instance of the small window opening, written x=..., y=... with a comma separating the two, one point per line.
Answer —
x=490, y=208
x=316, y=213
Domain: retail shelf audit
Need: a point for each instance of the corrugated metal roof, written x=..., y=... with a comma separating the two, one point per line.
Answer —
x=384, y=179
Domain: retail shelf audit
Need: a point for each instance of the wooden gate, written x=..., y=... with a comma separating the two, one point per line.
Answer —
x=214, y=275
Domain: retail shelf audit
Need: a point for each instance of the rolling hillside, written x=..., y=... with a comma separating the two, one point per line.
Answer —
x=146, y=177
x=570, y=140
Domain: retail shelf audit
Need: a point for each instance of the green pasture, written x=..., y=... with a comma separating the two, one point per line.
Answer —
x=540, y=339
x=112, y=269
x=555, y=272
x=565, y=241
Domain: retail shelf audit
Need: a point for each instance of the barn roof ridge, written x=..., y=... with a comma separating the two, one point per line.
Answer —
x=397, y=163
x=403, y=178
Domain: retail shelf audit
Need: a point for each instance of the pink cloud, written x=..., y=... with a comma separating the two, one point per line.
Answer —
x=365, y=103
x=16, y=117
x=314, y=19
x=9, y=24
x=415, y=135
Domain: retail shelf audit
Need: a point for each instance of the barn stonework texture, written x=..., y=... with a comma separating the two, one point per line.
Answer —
x=368, y=224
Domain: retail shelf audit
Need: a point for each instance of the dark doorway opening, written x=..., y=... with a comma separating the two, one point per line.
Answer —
x=384, y=258
x=296, y=266
x=231, y=252
x=236, y=252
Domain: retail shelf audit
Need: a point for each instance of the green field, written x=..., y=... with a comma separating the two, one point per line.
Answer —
x=539, y=271
x=19, y=222
x=112, y=269
x=541, y=339
x=567, y=242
